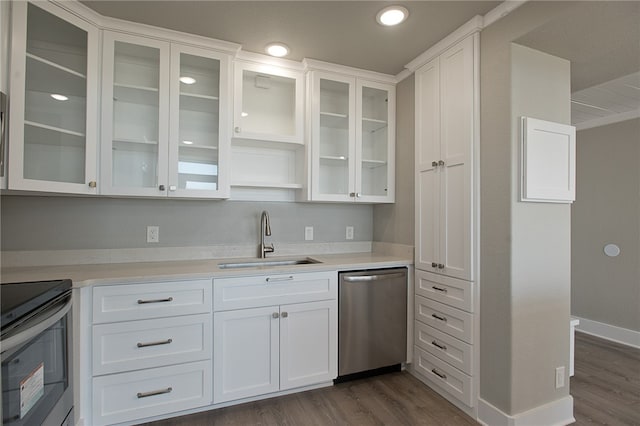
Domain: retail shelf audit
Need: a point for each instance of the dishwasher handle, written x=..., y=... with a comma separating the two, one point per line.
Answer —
x=377, y=277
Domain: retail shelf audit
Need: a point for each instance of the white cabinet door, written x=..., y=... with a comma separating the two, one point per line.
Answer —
x=200, y=109
x=308, y=343
x=135, y=115
x=445, y=136
x=54, y=96
x=457, y=139
x=333, y=107
x=245, y=354
x=375, y=147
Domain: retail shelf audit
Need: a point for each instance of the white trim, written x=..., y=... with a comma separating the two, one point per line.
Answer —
x=609, y=119
x=314, y=64
x=501, y=10
x=555, y=413
x=613, y=333
x=258, y=58
x=472, y=26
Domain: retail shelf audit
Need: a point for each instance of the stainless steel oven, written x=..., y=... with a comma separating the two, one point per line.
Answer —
x=36, y=352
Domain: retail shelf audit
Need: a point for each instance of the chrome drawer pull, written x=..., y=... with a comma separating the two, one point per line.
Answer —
x=275, y=315
x=155, y=392
x=284, y=314
x=271, y=280
x=158, y=343
x=360, y=278
x=444, y=290
x=438, y=345
x=142, y=302
x=439, y=374
x=438, y=317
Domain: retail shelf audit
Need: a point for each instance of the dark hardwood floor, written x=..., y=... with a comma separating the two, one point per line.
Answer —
x=606, y=391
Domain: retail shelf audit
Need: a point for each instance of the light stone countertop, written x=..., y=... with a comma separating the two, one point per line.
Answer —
x=117, y=273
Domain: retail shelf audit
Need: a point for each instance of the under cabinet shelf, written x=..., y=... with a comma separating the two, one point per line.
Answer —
x=267, y=185
x=200, y=103
x=41, y=134
x=55, y=65
x=372, y=124
x=372, y=164
x=136, y=94
x=49, y=77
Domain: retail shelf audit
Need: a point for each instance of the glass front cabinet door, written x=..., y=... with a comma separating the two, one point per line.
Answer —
x=135, y=112
x=353, y=139
x=163, y=127
x=54, y=96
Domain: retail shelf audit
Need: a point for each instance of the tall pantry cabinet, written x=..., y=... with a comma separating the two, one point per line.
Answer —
x=446, y=299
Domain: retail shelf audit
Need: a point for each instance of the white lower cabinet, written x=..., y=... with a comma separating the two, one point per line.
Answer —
x=151, y=349
x=259, y=350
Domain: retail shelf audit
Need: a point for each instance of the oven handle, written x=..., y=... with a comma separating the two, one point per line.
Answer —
x=55, y=314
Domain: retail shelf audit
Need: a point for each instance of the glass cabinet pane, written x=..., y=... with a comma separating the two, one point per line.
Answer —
x=55, y=99
x=268, y=104
x=198, y=123
x=375, y=140
x=135, y=115
x=334, y=137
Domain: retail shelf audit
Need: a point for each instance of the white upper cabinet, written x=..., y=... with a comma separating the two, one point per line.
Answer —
x=268, y=103
x=163, y=127
x=352, y=139
x=53, y=109
x=445, y=138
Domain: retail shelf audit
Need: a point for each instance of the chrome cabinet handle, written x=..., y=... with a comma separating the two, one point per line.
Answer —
x=434, y=265
x=276, y=279
x=172, y=187
x=158, y=343
x=360, y=278
x=440, y=163
x=142, y=302
x=434, y=163
x=352, y=194
x=284, y=314
x=439, y=374
x=155, y=392
x=237, y=129
x=438, y=317
x=161, y=187
x=275, y=315
x=438, y=345
x=92, y=184
x=440, y=265
x=436, y=288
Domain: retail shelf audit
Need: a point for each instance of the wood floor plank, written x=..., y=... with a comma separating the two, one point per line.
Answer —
x=605, y=388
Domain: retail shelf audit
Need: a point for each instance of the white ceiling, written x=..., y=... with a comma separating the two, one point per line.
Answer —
x=341, y=32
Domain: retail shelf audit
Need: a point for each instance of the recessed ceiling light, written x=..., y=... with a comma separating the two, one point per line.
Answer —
x=277, y=49
x=58, y=97
x=187, y=142
x=392, y=15
x=187, y=80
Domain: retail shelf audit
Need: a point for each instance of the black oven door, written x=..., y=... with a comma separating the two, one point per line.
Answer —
x=36, y=370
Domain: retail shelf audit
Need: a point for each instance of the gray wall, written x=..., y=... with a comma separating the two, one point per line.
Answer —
x=56, y=223
x=394, y=223
x=525, y=302
x=607, y=210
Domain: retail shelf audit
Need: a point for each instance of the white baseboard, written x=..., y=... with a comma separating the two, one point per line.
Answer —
x=556, y=413
x=609, y=332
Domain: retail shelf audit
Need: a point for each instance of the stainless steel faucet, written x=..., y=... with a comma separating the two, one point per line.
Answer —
x=265, y=230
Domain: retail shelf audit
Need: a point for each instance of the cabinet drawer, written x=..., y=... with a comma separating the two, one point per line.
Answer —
x=451, y=291
x=447, y=348
x=267, y=290
x=126, y=346
x=446, y=377
x=139, y=394
x=150, y=300
x=450, y=320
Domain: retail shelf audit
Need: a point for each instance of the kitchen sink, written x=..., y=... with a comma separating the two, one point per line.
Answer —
x=268, y=262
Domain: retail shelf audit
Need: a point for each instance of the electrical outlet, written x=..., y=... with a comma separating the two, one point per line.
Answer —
x=559, y=377
x=349, y=233
x=153, y=234
x=308, y=233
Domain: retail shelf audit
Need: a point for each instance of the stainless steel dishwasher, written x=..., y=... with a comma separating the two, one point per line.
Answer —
x=372, y=321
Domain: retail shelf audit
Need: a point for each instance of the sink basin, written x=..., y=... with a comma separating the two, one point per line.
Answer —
x=268, y=262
